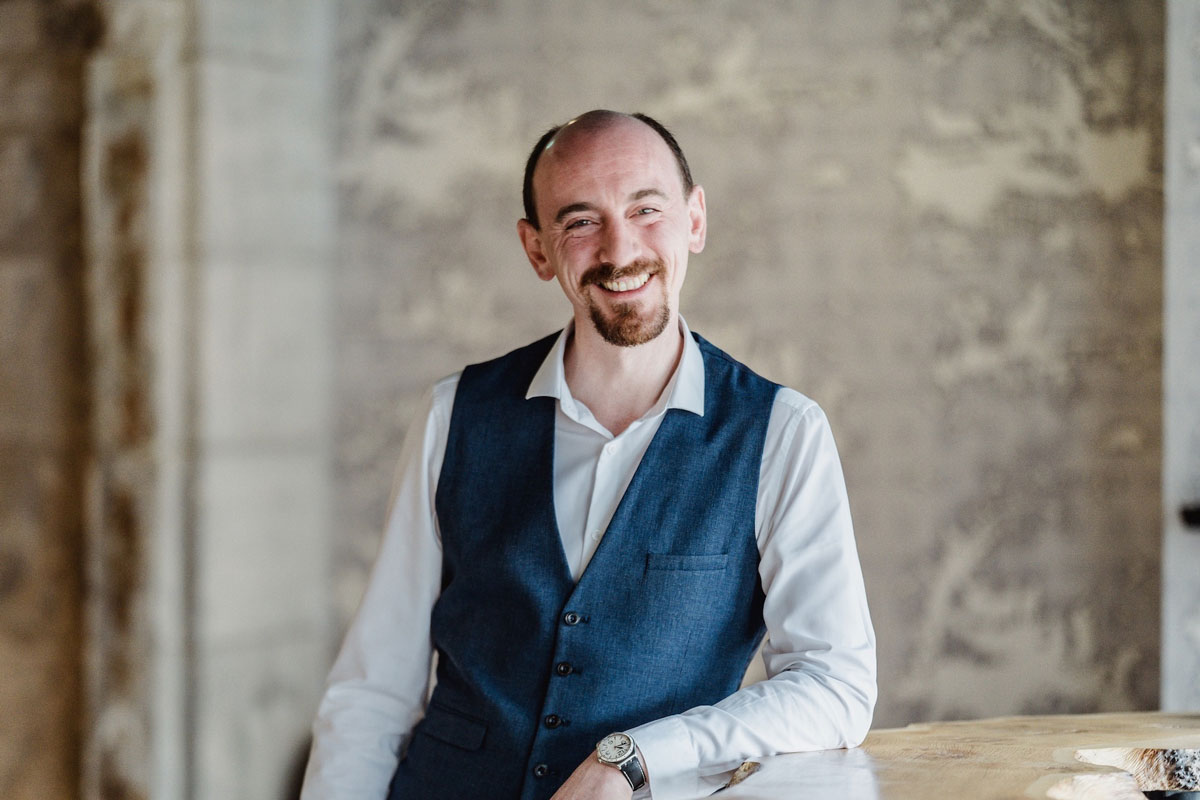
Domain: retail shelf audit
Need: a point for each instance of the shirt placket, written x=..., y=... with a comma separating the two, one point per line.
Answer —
x=609, y=476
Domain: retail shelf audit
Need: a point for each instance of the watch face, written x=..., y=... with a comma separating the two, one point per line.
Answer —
x=614, y=748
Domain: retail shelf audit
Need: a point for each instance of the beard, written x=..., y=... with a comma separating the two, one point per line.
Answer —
x=627, y=325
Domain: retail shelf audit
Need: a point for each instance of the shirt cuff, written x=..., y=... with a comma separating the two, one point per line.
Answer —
x=668, y=759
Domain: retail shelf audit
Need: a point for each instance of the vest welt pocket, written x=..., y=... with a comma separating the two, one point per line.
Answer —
x=686, y=562
x=453, y=727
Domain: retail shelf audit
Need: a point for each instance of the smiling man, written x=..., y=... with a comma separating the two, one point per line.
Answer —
x=594, y=532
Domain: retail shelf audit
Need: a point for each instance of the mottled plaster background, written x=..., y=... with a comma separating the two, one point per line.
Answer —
x=942, y=221
x=43, y=396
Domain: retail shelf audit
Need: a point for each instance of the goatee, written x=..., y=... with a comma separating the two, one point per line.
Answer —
x=625, y=326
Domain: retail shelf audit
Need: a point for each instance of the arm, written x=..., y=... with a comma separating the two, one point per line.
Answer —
x=820, y=652
x=377, y=688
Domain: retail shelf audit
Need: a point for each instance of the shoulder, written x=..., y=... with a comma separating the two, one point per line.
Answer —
x=715, y=357
x=441, y=396
x=495, y=384
x=507, y=376
x=795, y=416
x=431, y=413
x=798, y=434
x=732, y=385
x=789, y=407
x=797, y=408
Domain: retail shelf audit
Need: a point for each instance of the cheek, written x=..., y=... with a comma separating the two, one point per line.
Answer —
x=666, y=239
x=677, y=279
x=572, y=253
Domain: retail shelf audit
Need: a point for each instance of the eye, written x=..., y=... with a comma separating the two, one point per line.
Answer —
x=644, y=210
x=575, y=224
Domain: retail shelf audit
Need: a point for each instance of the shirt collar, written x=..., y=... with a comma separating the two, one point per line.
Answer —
x=685, y=390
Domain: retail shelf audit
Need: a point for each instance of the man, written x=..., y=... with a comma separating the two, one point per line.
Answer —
x=593, y=531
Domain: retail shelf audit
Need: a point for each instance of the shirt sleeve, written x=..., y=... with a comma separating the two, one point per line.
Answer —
x=820, y=649
x=377, y=688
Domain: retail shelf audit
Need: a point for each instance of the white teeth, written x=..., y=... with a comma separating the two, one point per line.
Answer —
x=626, y=284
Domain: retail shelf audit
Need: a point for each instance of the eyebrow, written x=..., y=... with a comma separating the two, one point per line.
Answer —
x=640, y=194
x=571, y=209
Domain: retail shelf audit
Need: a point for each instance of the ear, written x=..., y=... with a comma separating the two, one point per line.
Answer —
x=531, y=240
x=698, y=218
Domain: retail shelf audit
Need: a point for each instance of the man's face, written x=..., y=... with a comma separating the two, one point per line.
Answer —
x=616, y=228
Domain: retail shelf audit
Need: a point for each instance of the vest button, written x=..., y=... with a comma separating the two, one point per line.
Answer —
x=552, y=721
x=564, y=668
x=571, y=618
x=541, y=771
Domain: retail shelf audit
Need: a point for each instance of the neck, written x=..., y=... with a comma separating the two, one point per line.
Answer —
x=620, y=384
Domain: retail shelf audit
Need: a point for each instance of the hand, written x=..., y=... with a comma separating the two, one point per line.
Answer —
x=592, y=780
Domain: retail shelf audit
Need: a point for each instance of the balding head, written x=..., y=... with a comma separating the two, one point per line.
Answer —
x=591, y=123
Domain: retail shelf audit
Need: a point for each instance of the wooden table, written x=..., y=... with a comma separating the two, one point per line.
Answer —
x=1080, y=757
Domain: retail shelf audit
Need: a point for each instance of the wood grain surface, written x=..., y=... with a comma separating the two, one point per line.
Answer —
x=1069, y=757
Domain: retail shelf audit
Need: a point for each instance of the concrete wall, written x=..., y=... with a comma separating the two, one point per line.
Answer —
x=210, y=228
x=166, y=230
x=265, y=266
x=940, y=220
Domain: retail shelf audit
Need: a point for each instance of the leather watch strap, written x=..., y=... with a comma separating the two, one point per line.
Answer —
x=632, y=769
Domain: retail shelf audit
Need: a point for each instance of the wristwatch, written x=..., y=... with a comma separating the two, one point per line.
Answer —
x=617, y=750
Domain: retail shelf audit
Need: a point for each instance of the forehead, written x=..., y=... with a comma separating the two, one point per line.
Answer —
x=623, y=157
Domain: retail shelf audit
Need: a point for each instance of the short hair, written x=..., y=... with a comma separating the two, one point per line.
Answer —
x=685, y=172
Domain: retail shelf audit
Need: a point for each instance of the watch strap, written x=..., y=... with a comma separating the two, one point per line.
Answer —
x=631, y=768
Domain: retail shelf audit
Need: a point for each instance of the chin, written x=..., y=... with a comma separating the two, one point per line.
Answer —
x=627, y=328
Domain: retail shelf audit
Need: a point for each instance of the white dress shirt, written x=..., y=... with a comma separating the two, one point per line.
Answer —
x=820, y=649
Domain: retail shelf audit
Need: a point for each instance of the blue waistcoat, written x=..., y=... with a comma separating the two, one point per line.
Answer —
x=534, y=668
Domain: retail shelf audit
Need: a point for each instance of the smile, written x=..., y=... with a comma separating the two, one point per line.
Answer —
x=627, y=284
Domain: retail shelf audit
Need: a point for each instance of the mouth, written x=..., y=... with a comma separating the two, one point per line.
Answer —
x=622, y=281
x=629, y=283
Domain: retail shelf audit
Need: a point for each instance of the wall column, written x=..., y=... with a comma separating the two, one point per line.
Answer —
x=210, y=227
x=1181, y=378
x=43, y=394
x=264, y=211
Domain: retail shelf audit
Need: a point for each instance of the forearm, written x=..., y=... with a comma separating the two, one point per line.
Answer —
x=374, y=696
x=688, y=754
x=357, y=737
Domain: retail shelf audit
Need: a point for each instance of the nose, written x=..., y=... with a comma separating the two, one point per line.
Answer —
x=619, y=244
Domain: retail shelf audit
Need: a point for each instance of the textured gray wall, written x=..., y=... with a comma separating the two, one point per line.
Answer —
x=166, y=256
x=940, y=220
x=210, y=248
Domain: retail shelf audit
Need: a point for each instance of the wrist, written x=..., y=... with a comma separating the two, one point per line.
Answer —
x=619, y=751
x=614, y=783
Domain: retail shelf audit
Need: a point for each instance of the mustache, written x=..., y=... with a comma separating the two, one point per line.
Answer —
x=602, y=273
